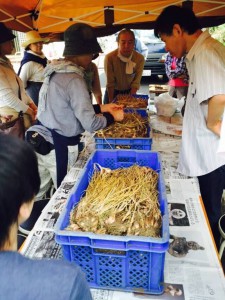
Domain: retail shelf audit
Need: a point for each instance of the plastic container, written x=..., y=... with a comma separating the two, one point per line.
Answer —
x=128, y=263
x=127, y=143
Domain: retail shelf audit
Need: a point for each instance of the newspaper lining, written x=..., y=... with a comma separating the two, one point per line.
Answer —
x=193, y=273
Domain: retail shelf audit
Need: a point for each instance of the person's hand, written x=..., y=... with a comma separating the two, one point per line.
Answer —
x=33, y=106
x=118, y=114
x=31, y=113
x=111, y=107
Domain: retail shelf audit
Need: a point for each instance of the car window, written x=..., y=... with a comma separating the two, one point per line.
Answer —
x=148, y=36
x=154, y=44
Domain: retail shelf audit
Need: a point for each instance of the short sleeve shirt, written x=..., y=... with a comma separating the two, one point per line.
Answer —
x=206, y=67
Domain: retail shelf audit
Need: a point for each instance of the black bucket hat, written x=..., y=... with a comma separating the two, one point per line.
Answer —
x=80, y=39
x=5, y=34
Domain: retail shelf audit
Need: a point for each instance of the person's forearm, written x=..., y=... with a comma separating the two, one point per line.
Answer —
x=216, y=107
x=11, y=100
x=98, y=99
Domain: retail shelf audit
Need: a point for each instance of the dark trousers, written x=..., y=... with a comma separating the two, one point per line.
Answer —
x=61, y=153
x=211, y=188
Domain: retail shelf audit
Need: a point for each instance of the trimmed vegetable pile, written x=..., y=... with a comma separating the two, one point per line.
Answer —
x=130, y=101
x=132, y=126
x=119, y=202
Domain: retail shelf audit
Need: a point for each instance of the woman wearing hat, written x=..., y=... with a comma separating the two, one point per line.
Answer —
x=13, y=97
x=65, y=110
x=33, y=64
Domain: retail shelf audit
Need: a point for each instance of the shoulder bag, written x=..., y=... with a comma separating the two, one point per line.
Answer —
x=15, y=127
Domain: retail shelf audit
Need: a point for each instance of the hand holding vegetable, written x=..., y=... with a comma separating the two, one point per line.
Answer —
x=111, y=107
x=118, y=114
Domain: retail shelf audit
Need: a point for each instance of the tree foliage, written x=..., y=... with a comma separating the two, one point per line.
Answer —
x=218, y=33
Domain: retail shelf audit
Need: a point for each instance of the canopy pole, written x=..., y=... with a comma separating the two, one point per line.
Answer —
x=109, y=15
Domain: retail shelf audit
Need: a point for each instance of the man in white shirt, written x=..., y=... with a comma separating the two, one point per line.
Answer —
x=205, y=58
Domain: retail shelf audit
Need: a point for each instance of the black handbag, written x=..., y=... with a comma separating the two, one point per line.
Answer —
x=38, y=142
x=15, y=127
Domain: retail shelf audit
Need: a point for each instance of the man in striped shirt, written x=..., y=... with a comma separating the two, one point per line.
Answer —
x=179, y=28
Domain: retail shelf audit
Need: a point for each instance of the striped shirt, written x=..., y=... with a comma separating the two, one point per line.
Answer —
x=206, y=67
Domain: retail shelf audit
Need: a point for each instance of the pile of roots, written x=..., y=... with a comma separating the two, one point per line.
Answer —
x=132, y=126
x=130, y=101
x=119, y=202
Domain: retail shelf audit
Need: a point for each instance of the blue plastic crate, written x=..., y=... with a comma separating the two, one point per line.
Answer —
x=144, y=143
x=128, y=263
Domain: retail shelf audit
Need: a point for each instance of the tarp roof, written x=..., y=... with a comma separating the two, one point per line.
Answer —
x=107, y=16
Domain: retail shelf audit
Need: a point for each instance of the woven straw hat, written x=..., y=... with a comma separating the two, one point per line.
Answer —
x=33, y=37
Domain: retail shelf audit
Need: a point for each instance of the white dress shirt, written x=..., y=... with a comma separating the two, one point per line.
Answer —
x=206, y=67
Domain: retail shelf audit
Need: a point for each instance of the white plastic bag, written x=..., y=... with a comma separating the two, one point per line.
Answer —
x=166, y=105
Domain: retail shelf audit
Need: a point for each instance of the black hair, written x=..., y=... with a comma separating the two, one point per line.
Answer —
x=125, y=30
x=173, y=14
x=19, y=180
